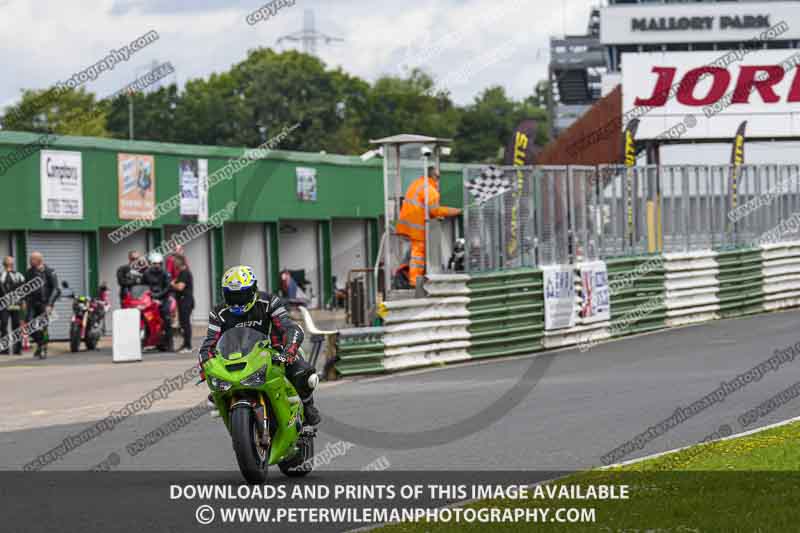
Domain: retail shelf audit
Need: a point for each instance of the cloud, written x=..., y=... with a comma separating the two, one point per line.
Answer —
x=49, y=40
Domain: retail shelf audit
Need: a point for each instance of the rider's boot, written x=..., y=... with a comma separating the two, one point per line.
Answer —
x=312, y=417
x=38, y=352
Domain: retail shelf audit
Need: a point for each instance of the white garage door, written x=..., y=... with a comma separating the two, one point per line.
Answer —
x=198, y=254
x=66, y=253
x=113, y=256
x=299, y=250
x=245, y=244
x=348, y=248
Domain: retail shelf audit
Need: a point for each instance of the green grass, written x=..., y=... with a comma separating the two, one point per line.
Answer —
x=748, y=484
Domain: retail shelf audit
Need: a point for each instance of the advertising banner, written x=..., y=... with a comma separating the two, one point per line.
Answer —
x=61, y=180
x=559, y=297
x=190, y=171
x=306, y=184
x=137, y=183
x=595, y=304
x=202, y=189
x=679, y=96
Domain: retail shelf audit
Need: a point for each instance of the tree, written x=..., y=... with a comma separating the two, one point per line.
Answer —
x=410, y=105
x=154, y=115
x=489, y=121
x=67, y=112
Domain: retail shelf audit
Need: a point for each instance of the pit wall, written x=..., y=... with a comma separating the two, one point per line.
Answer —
x=497, y=314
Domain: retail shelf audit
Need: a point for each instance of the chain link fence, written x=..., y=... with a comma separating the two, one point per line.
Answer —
x=531, y=216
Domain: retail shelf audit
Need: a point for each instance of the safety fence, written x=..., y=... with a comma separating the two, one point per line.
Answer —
x=551, y=215
x=485, y=315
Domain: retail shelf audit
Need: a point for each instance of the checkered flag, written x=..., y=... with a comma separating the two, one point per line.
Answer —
x=489, y=184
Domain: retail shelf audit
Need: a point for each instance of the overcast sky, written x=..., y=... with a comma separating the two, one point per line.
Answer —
x=467, y=44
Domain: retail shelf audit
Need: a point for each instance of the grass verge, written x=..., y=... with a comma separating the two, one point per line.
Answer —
x=749, y=483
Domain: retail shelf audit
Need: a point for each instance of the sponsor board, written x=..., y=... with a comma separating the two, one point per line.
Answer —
x=596, y=303
x=191, y=172
x=306, y=184
x=61, y=180
x=559, y=297
x=137, y=183
x=760, y=86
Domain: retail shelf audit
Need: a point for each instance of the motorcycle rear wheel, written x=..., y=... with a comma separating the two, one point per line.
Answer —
x=74, y=338
x=91, y=341
x=252, y=458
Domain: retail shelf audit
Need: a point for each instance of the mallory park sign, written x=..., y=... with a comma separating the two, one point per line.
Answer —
x=722, y=22
x=698, y=22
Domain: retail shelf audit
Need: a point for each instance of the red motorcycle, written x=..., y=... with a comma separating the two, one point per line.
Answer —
x=151, y=325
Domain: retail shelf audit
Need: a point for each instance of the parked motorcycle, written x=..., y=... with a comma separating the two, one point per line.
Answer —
x=151, y=325
x=260, y=408
x=88, y=315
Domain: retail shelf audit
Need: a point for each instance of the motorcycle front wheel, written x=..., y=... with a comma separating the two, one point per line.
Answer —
x=252, y=458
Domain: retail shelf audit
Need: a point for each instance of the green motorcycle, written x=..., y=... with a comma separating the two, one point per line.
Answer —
x=260, y=407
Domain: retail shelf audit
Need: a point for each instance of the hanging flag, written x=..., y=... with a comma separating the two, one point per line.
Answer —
x=521, y=151
x=629, y=144
x=737, y=160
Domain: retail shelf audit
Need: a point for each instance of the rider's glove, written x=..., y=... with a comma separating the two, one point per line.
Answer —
x=290, y=354
x=286, y=357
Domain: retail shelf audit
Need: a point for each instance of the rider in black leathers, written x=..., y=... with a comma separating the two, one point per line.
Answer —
x=248, y=307
x=157, y=278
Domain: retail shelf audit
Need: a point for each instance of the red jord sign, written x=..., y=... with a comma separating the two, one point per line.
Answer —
x=761, y=79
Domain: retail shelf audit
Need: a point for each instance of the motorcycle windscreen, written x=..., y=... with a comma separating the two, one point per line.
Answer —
x=239, y=341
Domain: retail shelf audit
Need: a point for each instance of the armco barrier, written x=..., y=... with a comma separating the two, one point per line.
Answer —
x=691, y=287
x=359, y=351
x=506, y=313
x=637, y=294
x=740, y=282
x=496, y=314
x=780, y=268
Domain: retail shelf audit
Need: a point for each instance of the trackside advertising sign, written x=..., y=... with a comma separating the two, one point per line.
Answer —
x=707, y=95
x=595, y=304
x=61, y=180
x=559, y=297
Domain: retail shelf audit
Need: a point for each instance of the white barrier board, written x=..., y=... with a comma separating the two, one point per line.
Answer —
x=125, y=331
x=559, y=297
x=596, y=306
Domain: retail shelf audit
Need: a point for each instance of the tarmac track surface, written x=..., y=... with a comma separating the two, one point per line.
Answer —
x=584, y=405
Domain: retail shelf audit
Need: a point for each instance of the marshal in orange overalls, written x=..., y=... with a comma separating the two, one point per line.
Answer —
x=412, y=221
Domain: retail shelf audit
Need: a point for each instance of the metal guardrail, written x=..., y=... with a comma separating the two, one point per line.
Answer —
x=564, y=214
x=318, y=337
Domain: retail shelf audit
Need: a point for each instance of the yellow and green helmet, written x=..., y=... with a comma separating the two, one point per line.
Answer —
x=240, y=289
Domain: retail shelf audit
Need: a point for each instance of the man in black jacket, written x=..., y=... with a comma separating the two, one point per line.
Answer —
x=42, y=299
x=11, y=299
x=129, y=275
x=157, y=278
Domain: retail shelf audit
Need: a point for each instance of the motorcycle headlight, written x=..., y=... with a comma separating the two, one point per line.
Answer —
x=256, y=379
x=219, y=384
